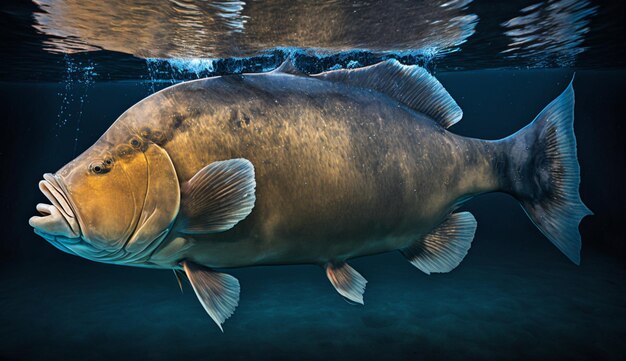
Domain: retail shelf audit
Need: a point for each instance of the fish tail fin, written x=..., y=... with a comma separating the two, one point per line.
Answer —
x=544, y=174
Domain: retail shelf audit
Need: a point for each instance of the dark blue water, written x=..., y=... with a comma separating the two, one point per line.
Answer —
x=515, y=296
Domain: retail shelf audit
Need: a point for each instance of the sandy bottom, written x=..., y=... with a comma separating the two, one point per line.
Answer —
x=525, y=306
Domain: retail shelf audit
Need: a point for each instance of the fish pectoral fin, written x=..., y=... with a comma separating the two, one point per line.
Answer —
x=445, y=247
x=218, y=292
x=348, y=282
x=218, y=197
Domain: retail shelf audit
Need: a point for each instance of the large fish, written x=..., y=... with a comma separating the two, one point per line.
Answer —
x=285, y=168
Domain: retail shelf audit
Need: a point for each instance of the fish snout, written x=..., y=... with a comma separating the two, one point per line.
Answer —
x=57, y=218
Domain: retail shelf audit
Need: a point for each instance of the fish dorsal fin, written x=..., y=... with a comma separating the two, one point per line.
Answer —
x=411, y=85
x=288, y=67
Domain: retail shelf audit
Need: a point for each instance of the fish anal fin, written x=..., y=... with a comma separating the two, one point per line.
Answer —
x=347, y=281
x=217, y=197
x=445, y=247
x=411, y=85
x=217, y=292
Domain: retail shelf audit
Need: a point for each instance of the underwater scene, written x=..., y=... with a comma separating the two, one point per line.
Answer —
x=312, y=180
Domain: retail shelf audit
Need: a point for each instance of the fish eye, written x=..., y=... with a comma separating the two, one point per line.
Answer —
x=98, y=168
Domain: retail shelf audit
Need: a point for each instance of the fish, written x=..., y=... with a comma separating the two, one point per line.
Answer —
x=284, y=168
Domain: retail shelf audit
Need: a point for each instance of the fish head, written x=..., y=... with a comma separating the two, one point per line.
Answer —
x=112, y=203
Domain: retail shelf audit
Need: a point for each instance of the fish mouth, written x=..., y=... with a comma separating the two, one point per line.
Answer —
x=58, y=218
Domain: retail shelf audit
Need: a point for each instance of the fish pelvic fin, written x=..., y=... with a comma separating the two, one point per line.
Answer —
x=443, y=249
x=347, y=281
x=217, y=292
x=544, y=175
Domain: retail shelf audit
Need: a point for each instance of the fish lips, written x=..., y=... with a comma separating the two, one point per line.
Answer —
x=58, y=218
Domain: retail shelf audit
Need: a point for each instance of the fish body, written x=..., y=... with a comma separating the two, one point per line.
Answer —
x=340, y=172
x=285, y=168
